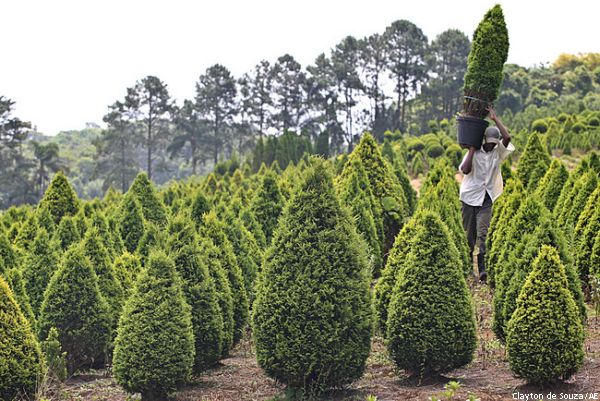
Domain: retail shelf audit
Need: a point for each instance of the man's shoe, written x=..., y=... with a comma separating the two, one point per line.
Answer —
x=483, y=277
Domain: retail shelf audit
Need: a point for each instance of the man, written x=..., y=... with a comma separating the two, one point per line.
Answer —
x=482, y=185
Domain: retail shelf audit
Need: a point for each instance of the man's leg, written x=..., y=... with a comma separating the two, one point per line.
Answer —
x=469, y=220
x=483, y=224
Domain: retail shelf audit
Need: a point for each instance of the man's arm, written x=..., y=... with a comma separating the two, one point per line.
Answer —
x=503, y=131
x=467, y=164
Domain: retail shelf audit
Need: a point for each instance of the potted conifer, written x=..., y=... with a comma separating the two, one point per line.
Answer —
x=483, y=78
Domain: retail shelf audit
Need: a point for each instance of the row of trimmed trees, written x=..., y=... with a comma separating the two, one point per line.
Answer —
x=163, y=284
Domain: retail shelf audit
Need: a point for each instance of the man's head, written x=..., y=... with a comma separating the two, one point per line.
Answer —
x=491, y=138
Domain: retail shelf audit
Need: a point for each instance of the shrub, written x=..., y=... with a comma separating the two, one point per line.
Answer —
x=384, y=184
x=485, y=63
x=455, y=154
x=552, y=184
x=154, y=348
x=152, y=207
x=267, y=205
x=20, y=357
x=60, y=198
x=545, y=334
x=66, y=234
x=56, y=359
x=575, y=203
x=540, y=126
x=131, y=222
x=8, y=256
x=533, y=163
x=74, y=305
x=110, y=288
x=428, y=330
x=395, y=262
x=38, y=267
x=312, y=316
x=14, y=278
x=587, y=228
x=213, y=230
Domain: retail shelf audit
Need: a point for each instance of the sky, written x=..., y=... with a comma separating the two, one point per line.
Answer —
x=64, y=62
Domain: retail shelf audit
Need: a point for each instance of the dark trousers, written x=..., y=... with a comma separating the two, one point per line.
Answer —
x=476, y=221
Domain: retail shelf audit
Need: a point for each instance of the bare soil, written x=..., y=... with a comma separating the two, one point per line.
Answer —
x=488, y=377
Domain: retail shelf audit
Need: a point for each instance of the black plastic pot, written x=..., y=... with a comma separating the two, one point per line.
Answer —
x=471, y=130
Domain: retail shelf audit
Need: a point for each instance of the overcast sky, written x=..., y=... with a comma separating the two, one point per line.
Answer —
x=64, y=62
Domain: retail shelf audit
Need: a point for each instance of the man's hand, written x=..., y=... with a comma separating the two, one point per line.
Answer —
x=492, y=113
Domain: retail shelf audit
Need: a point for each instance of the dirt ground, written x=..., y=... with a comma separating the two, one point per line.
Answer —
x=488, y=377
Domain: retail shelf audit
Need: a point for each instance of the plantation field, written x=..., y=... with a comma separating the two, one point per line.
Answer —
x=238, y=378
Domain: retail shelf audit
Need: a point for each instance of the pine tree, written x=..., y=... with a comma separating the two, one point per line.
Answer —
x=126, y=267
x=409, y=192
x=200, y=293
x=312, y=317
x=153, y=209
x=249, y=220
x=267, y=205
x=428, y=330
x=21, y=363
x=545, y=334
x=60, y=198
x=74, y=305
x=552, y=184
x=131, y=222
x=533, y=163
x=153, y=238
x=213, y=230
x=38, y=267
x=27, y=232
x=154, y=348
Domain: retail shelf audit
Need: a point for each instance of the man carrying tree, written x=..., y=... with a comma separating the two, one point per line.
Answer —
x=482, y=185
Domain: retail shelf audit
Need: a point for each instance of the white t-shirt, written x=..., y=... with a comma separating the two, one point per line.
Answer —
x=485, y=175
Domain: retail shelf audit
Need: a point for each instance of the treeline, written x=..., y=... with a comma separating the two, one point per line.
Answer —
x=395, y=81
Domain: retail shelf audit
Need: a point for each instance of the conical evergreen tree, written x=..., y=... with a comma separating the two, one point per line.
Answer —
x=21, y=363
x=267, y=205
x=518, y=265
x=66, y=234
x=45, y=219
x=389, y=275
x=545, y=334
x=109, y=286
x=533, y=163
x=409, y=192
x=131, y=222
x=56, y=359
x=14, y=278
x=60, y=198
x=587, y=228
x=251, y=223
x=153, y=238
x=100, y=223
x=312, y=318
x=200, y=206
x=126, y=267
x=8, y=256
x=355, y=192
x=74, y=305
x=152, y=207
x=384, y=184
x=211, y=259
x=246, y=249
x=38, y=267
x=213, y=230
x=552, y=184
x=154, y=348
x=575, y=203
x=418, y=339
x=566, y=195
x=200, y=293
x=27, y=232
